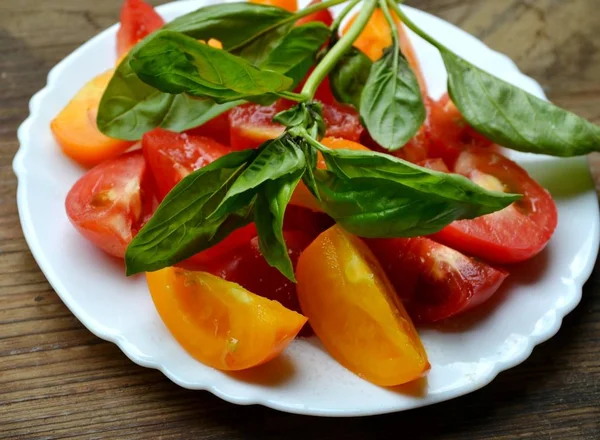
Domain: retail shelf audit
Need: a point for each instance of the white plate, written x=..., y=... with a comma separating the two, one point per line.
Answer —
x=465, y=355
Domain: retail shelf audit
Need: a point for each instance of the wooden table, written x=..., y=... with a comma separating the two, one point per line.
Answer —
x=59, y=380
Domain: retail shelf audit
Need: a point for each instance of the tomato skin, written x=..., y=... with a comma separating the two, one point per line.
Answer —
x=251, y=124
x=290, y=5
x=434, y=281
x=138, y=20
x=75, y=129
x=246, y=266
x=324, y=16
x=217, y=129
x=355, y=313
x=172, y=156
x=220, y=323
x=108, y=204
x=449, y=133
x=514, y=234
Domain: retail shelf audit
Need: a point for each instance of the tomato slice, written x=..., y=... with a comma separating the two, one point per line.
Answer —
x=449, y=133
x=434, y=281
x=246, y=266
x=220, y=323
x=376, y=37
x=75, y=129
x=514, y=234
x=324, y=16
x=251, y=124
x=217, y=129
x=290, y=5
x=172, y=156
x=355, y=312
x=109, y=203
x=138, y=20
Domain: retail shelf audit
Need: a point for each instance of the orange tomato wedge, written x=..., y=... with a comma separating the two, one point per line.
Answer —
x=377, y=36
x=290, y=5
x=220, y=323
x=75, y=127
x=302, y=196
x=355, y=312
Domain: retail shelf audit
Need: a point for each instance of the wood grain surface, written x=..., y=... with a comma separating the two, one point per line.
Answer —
x=57, y=380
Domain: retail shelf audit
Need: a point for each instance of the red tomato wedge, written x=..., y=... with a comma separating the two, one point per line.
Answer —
x=251, y=124
x=514, y=234
x=324, y=16
x=246, y=266
x=217, y=128
x=434, y=281
x=172, y=156
x=449, y=133
x=138, y=20
x=111, y=201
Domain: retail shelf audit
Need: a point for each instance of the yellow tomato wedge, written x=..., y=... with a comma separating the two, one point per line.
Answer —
x=377, y=36
x=355, y=312
x=220, y=323
x=290, y=5
x=75, y=127
x=302, y=196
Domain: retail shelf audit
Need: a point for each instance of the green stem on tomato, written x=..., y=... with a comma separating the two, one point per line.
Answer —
x=335, y=26
x=339, y=49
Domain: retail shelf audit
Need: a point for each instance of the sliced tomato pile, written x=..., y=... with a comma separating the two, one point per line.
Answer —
x=227, y=306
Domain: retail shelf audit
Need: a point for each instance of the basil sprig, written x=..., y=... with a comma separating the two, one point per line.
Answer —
x=172, y=80
x=368, y=193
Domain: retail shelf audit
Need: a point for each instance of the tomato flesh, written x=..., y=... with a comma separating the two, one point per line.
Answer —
x=511, y=235
x=138, y=20
x=355, y=313
x=251, y=124
x=172, y=156
x=434, y=281
x=290, y=5
x=109, y=203
x=220, y=323
x=217, y=129
x=246, y=266
x=76, y=131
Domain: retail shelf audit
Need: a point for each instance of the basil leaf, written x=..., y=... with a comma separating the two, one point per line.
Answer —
x=377, y=195
x=276, y=158
x=349, y=76
x=129, y=107
x=379, y=208
x=233, y=24
x=391, y=105
x=307, y=116
x=271, y=202
x=257, y=50
x=514, y=118
x=180, y=228
x=174, y=63
x=296, y=52
x=308, y=178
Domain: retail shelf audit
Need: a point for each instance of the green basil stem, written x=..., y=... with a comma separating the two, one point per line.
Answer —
x=341, y=47
x=335, y=26
x=408, y=22
x=394, y=29
x=316, y=8
x=298, y=97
